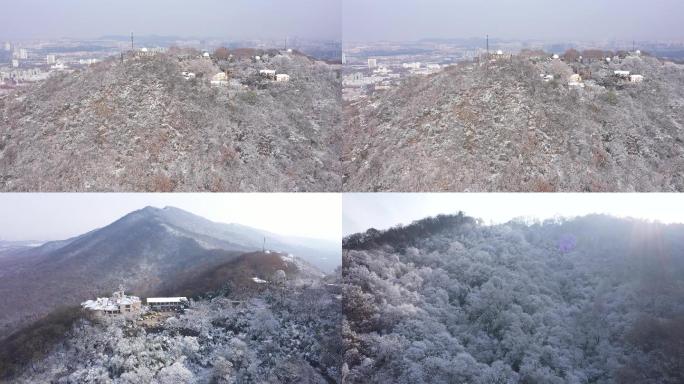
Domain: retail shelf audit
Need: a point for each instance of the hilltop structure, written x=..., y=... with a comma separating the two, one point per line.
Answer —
x=119, y=303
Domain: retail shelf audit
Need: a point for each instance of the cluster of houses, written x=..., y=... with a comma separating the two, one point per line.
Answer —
x=120, y=303
x=271, y=74
x=575, y=80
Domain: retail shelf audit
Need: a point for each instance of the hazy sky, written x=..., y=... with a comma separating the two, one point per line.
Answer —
x=382, y=211
x=219, y=18
x=36, y=216
x=596, y=20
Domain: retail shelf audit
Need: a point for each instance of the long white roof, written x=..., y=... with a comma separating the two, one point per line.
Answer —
x=166, y=299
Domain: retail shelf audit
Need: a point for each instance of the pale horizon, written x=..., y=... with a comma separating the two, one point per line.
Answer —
x=382, y=211
x=49, y=217
x=239, y=19
x=584, y=20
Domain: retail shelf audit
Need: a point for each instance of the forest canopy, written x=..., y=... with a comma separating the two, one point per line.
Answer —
x=595, y=299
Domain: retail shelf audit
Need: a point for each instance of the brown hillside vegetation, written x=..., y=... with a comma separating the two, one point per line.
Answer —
x=140, y=126
x=501, y=127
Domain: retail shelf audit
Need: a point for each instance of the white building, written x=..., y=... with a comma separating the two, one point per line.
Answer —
x=372, y=63
x=382, y=70
x=166, y=303
x=281, y=77
x=51, y=59
x=117, y=304
x=219, y=79
x=59, y=66
x=8, y=46
x=411, y=65
x=622, y=74
x=23, y=54
x=15, y=63
x=91, y=61
x=144, y=52
x=555, y=56
x=636, y=78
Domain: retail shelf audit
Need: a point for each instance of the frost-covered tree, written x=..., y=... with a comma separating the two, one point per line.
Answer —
x=449, y=300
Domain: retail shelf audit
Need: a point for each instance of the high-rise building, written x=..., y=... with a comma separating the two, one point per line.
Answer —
x=15, y=63
x=8, y=46
x=344, y=59
x=23, y=54
x=51, y=59
x=372, y=63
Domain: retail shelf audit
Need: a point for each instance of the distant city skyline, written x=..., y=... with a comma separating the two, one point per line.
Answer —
x=585, y=20
x=240, y=19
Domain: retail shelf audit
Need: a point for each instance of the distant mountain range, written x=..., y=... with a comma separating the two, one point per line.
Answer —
x=148, y=251
x=13, y=246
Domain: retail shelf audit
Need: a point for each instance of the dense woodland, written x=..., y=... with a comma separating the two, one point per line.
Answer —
x=594, y=299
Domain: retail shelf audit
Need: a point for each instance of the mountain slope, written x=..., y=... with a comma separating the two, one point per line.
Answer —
x=143, y=250
x=140, y=126
x=287, y=333
x=500, y=127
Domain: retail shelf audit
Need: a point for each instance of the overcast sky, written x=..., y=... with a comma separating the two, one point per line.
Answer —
x=382, y=210
x=597, y=20
x=218, y=18
x=36, y=216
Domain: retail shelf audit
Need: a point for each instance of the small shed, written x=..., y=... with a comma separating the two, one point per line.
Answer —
x=281, y=77
x=219, y=79
x=636, y=78
x=622, y=74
